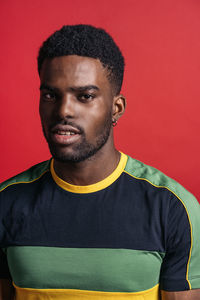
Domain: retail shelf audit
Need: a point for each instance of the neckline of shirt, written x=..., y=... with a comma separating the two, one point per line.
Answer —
x=84, y=189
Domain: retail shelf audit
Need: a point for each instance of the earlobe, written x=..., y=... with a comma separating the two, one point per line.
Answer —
x=114, y=122
x=119, y=105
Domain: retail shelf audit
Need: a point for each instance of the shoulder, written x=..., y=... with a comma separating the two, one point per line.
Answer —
x=159, y=180
x=30, y=175
x=183, y=224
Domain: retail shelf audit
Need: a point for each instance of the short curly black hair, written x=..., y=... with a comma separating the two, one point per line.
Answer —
x=89, y=41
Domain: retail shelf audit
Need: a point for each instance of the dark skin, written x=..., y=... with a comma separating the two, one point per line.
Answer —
x=76, y=89
x=186, y=295
x=6, y=290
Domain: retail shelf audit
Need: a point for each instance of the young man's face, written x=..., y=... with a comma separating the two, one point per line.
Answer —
x=76, y=106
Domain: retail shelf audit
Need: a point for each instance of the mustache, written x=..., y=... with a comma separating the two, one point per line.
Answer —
x=66, y=122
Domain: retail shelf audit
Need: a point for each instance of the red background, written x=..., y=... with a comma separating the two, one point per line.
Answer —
x=161, y=44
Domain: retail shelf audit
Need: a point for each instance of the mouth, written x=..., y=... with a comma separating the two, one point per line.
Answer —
x=61, y=132
x=65, y=135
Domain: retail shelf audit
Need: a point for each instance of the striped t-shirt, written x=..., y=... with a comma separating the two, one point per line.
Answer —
x=125, y=237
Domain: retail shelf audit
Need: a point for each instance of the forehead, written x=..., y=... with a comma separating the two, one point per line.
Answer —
x=74, y=70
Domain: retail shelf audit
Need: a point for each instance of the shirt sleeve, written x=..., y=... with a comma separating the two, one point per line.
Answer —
x=181, y=265
x=4, y=270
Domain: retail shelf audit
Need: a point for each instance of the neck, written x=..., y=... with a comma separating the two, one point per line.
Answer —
x=91, y=170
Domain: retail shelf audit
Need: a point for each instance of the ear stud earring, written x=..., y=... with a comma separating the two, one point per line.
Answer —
x=114, y=122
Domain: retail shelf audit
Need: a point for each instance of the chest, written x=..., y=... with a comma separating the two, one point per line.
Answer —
x=120, y=216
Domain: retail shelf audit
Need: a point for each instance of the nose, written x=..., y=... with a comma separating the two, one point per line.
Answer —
x=65, y=107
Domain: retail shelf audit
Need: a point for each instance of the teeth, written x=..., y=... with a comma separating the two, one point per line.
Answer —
x=65, y=132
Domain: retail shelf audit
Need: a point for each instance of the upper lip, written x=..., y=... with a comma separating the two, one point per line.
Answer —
x=65, y=128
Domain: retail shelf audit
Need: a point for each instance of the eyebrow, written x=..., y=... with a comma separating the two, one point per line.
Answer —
x=44, y=86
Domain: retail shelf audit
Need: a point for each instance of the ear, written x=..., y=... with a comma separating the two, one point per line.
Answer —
x=119, y=105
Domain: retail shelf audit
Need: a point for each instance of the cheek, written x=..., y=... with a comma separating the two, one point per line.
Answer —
x=99, y=112
x=44, y=121
x=45, y=114
x=97, y=122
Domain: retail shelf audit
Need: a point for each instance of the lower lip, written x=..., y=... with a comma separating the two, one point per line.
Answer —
x=64, y=139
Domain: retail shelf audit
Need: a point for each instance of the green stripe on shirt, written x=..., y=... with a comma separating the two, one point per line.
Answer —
x=109, y=270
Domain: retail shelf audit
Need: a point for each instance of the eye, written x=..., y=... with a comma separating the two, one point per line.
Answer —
x=86, y=97
x=48, y=96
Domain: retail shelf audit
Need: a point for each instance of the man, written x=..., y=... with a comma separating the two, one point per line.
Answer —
x=93, y=223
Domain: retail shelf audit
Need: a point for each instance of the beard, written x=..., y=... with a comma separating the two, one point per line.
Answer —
x=84, y=149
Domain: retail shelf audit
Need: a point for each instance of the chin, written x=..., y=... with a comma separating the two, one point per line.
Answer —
x=72, y=157
x=68, y=158
x=81, y=153
x=64, y=156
